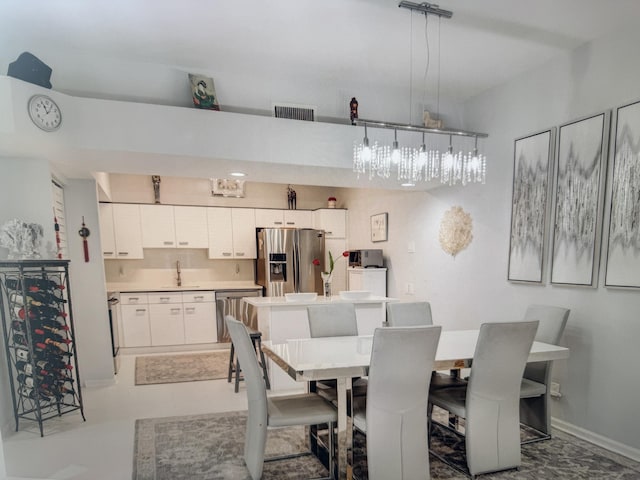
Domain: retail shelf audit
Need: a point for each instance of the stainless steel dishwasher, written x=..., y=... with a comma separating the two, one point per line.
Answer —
x=229, y=302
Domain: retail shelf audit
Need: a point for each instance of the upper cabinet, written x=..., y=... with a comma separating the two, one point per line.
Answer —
x=232, y=232
x=298, y=218
x=269, y=218
x=120, y=232
x=333, y=221
x=158, y=226
x=166, y=226
x=191, y=227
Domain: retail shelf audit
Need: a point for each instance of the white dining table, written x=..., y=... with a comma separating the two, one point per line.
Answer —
x=342, y=358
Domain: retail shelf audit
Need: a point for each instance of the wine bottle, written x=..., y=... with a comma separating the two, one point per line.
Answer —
x=24, y=367
x=20, y=339
x=31, y=393
x=33, y=284
x=42, y=312
x=41, y=335
x=44, y=298
x=53, y=347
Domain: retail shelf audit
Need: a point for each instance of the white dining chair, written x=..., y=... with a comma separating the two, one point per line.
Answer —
x=489, y=403
x=332, y=320
x=394, y=418
x=535, y=388
x=274, y=412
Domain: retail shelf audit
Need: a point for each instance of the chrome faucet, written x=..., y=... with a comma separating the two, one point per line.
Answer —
x=179, y=279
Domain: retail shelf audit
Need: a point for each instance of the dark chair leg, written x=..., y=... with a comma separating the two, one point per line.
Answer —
x=263, y=364
x=237, y=387
x=230, y=364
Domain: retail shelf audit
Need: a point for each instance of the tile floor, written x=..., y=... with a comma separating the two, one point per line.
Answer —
x=102, y=447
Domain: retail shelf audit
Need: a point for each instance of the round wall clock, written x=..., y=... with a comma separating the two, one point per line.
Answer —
x=45, y=113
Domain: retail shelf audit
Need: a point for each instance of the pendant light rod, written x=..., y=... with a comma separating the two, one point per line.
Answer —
x=417, y=128
x=426, y=8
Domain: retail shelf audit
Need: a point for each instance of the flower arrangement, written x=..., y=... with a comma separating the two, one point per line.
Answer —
x=332, y=262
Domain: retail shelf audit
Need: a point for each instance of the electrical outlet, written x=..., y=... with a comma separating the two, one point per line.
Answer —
x=555, y=390
x=410, y=289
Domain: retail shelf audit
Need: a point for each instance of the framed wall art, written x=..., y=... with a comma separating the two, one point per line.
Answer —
x=623, y=246
x=379, y=227
x=227, y=188
x=530, y=206
x=203, y=92
x=579, y=186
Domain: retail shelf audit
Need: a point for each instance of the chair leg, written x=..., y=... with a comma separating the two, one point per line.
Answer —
x=230, y=364
x=263, y=364
x=237, y=386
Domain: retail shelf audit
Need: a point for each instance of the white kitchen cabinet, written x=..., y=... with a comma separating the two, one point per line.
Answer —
x=232, y=232
x=166, y=323
x=191, y=227
x=124, y=222
x=158, y=226
x=269, y=218
x=135, y=325
x=373, y=280
x=298, y=218
x=200, y=323
x=332, y=220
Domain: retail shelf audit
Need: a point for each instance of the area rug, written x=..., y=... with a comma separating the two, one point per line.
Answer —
x=208, y=447
x=186, y=367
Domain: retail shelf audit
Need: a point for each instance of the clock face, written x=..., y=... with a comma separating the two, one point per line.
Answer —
x=45, y=113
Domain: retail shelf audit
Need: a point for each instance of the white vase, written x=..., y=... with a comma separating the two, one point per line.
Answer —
x=326, y=283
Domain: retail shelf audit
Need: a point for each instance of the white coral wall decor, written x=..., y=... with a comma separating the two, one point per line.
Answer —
x=455, y=230
x=22, y=239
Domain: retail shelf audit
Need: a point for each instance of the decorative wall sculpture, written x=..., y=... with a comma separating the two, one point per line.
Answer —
x=530, y=206
x=623, y=251
x=579, y=177
x=455, y=230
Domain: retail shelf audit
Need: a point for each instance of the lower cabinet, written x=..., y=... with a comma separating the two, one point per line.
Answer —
x=168, y=318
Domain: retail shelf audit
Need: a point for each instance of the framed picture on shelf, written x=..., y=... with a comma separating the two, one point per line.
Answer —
x=623, y=246
x=379, y=227
x=579, y=186
x=530, y=206
x=203, y=92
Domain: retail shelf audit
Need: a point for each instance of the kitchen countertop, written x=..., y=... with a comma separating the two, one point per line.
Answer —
x=192, y=286
x=283, y=302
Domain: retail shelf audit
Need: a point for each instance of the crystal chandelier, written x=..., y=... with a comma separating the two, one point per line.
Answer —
x=422, y=163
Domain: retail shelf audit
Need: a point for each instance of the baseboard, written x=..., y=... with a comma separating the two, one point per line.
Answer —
x=599, y=440
x=107, y=382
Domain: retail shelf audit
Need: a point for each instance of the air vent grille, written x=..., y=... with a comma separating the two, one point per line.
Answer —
x=295, y=112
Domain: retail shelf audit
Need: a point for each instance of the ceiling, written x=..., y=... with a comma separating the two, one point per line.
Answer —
x=330, y=44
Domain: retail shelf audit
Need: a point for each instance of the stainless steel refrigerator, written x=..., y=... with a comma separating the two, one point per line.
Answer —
x=285, y=260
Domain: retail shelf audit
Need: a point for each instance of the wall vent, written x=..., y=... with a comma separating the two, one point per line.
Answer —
x=294, y=111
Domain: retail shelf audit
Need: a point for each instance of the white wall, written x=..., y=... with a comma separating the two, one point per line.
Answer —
x=598, y=381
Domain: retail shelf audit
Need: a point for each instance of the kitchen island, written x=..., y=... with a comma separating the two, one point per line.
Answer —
x=280, y=320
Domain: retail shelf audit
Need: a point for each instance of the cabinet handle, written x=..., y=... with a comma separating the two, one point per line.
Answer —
x=328, y=233
x=167, y=243
x=134, y=299
x=141, y=310
x=201, y=297
x=175, y=310
x=291, y=223
x=107, y=253
x=165, y=299
x=183, y=243
x=239, y=254
x=123, y=253
x=277, y=223
x=226, y=254
x=190, y=309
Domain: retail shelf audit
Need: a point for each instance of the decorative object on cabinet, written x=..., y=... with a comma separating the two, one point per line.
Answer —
x=379, y=227
x=414, y=164
x=31, y=69
x=44, y=113
x=291, y=198
x=203, y=92
x=331, y=202
x=530, y=206
x=155, y=180
x=455, y=230
x=22, y=239
x=39, y=339
x=623, y=248
x=227, y=188
x=84, y=233
x=579, y=182
x=353, y=107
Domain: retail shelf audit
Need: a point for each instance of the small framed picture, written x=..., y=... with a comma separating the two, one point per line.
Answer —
x=379, y=227
x=203, y=92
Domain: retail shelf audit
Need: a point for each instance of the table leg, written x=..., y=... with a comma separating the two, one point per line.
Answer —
x=345, y=430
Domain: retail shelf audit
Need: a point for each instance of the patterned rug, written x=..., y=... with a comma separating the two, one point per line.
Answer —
x=208, y=447
x=186, y=367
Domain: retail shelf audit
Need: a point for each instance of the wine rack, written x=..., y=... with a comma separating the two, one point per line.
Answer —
x=39, y=339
